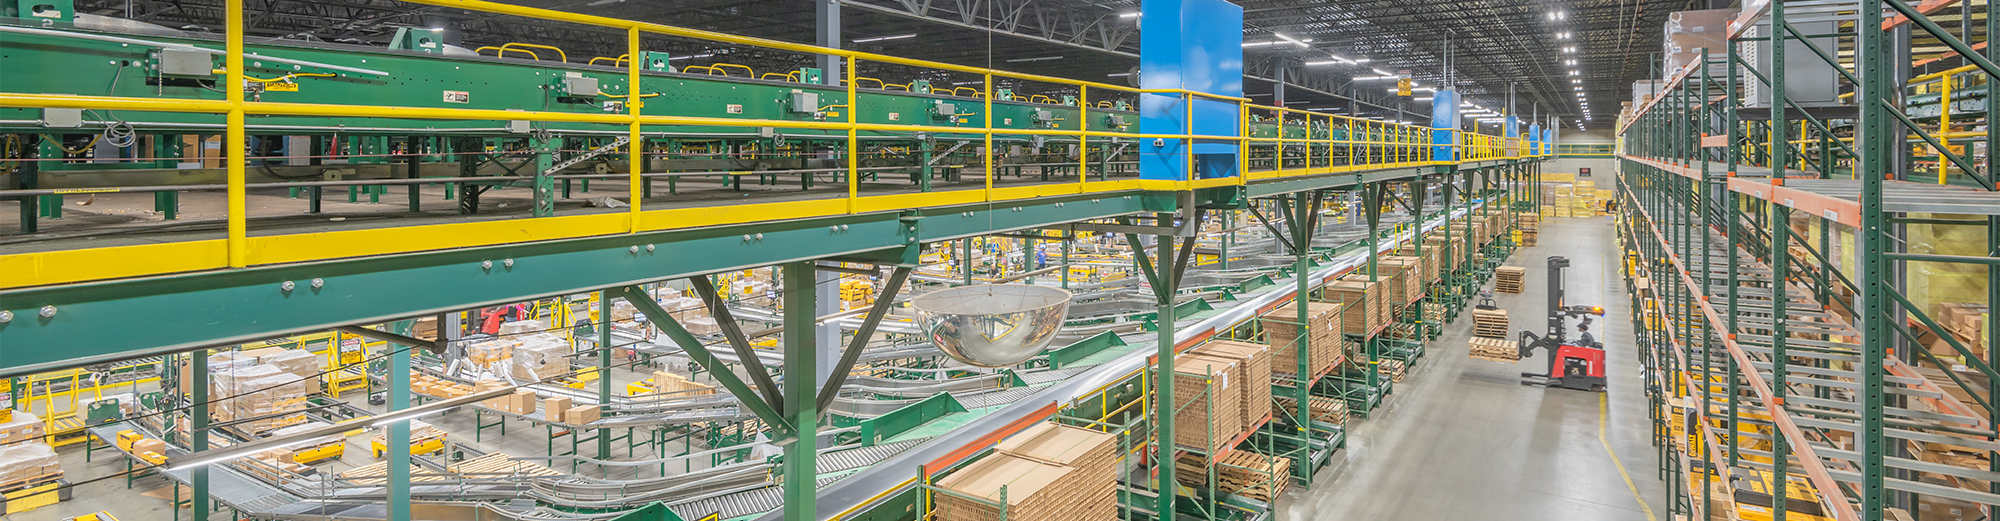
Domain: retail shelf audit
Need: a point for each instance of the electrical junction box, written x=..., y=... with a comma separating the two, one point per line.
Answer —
x=518, y=126
x=1116, y=120
x=1044, y=116
x=579, y=86
x=944, y=109
x=805, y=102
x=181, y=62
x=62, y=118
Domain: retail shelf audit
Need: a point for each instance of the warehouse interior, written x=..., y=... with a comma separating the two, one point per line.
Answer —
x=1263, y=260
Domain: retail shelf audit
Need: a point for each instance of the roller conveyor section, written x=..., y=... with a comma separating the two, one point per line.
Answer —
x=920, y=388
x=871, y=484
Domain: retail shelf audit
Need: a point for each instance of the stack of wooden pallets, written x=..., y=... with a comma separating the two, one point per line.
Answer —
x=1328, y=410
x=1508, y=279
x=1391, y=369
x=1495, y=349
x=1490, y=323
x=1244, y=473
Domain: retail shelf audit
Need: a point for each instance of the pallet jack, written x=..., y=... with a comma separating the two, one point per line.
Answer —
x=1578, y=365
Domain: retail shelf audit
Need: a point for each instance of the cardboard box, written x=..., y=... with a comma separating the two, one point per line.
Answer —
x=522, y=402
x=1935, y=508
x=149, y=445
x=553, y=408
x=1057, y=444
x=581, y=415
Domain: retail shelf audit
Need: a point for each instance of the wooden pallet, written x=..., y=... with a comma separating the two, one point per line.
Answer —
x=1391, y=368
x=1323, y=409
x=1495, y=349
x=1509, y=279
x=31, y=482
x=1490, y=323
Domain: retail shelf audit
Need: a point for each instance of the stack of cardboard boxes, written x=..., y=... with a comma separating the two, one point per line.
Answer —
x=265, y=397
x=1208, y=398
x=21, y=427
x=521, y=402
x=1050, y=472
x=1531, y=227
x=27, y=463
x=428, y=385
x=1322, y=343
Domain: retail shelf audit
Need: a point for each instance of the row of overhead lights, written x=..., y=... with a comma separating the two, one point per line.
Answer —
x=1569, y=62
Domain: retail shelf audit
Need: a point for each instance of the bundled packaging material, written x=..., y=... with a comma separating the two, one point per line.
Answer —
x=1207, y=398
x=265, y=396
x=24, y=463
x=1408, y=276
x=677, y=386
x=1256, y=362
x=539, y=358
x=295, y=361
x=1090, y=455
x=1322, y=342
x=522, y=327
x=1362, y=310
x=22, y=427
x=1033, y=491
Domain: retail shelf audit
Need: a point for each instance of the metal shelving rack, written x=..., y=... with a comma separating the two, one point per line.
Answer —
x=1766, y=356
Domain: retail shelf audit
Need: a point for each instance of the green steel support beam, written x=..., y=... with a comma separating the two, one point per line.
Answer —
x=733, y=331
x=197, y=386
x=701, y=355
x=801, y=490
x=1163, y=384
x=398, y=440
x=1877, y=137
x=603, y=366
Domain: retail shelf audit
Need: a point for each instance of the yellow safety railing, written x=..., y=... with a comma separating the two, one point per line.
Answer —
x=502, y=51
x=518, y=45
x=1369, y=144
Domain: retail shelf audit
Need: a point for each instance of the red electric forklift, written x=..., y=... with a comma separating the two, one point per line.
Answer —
x=1572, y=365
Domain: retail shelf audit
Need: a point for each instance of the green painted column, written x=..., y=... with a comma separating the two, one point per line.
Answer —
x=198, y=429
x=967, y=259
x=545, y=184
x=1228, y=236
x=603, y=367
x=1163, y=403
x=398, y=442
x=801, y=456
x=1781, y=260
x=1301, y=263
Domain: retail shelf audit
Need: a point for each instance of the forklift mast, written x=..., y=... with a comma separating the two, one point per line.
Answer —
x=1556, y=315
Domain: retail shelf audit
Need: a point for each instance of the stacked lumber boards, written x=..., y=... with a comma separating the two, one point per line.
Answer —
x=1362, y=309
x=1322, y=341
x=1243, y=473
x=1207, y=402
x=1256, y=361
x=1490, y=323
x=1495, y=349
x=1509, y=279
x=1048, y=472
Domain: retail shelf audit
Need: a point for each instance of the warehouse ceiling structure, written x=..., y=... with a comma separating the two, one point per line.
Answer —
x=1556, y=56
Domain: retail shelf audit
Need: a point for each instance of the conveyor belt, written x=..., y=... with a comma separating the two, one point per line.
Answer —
x=878, y=482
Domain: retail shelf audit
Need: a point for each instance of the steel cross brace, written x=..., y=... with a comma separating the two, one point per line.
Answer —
x=861, y=336
x=700, y=353
x=737, y=342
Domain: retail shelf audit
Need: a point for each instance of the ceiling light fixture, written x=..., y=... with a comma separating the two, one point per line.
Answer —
x=1128, y=15
x=885, y=38
x=1300, y=43
x=1037, y=59
x=702, y=55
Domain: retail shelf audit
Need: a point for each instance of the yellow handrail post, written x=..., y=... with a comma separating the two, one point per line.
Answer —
x=1187, y=134
x=1944, y=124
x=1083, y=137
x=853, y=139
x=636, y=148
x=234, y=141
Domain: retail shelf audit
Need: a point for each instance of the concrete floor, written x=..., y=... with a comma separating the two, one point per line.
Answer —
x=1462, y=439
